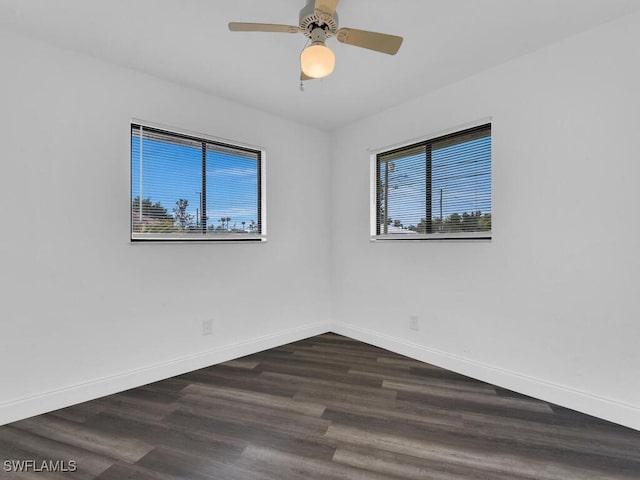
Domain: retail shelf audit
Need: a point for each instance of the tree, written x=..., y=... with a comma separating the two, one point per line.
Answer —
x=150, y=209
x=437, y=225
x=470, y=221
x=453, y=223
x=484, y=223
x=183, y=218
x=150, y=217
x=422, y=226
x=467, y=222
x=224, y=224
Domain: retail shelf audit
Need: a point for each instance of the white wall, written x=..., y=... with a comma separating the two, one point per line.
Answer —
x=83, y=311
x=550, y=305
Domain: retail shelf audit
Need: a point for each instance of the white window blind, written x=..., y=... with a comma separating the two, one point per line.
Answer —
x=439, y=188
x=189, y=188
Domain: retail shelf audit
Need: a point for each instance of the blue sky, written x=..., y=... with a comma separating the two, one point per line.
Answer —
x=171, y=172
x=461, y=171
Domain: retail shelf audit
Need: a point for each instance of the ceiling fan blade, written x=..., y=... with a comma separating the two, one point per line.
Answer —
x=327, y=6
x=262, y=27
x=380, y=42
x=304, y=77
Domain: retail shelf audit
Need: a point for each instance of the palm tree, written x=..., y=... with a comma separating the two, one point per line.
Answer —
x=243, y=226
x=228, y=219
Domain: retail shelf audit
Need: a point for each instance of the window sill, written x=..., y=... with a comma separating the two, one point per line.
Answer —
x=195, y=238
x=404, y=237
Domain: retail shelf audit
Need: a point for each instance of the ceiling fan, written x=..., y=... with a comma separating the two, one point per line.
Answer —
x=319, y=21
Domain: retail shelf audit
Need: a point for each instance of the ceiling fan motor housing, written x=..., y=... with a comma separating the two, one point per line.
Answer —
x=312, y=19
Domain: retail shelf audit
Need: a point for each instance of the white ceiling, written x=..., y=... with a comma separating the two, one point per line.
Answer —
x=187, y=42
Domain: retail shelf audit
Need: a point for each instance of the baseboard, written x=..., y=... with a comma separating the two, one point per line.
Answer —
x=601, y=407
x=53, y=400
x=605, y=408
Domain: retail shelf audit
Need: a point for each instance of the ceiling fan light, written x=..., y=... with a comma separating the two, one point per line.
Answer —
x=317, y=61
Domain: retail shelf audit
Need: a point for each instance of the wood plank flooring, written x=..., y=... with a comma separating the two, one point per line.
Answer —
x=323, y=408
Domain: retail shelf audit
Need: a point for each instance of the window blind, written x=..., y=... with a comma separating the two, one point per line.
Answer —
x=189, y=188
x=439, y=188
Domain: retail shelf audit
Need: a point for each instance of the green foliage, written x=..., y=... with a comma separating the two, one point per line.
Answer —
x=182, y=218
x=149, y=209
x=224, y=225
x=158, y=226
x=455, y=223
x=484, y=223
x=154, y=219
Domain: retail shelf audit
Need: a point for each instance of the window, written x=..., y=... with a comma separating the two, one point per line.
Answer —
x=189, y=188
x=439, y=188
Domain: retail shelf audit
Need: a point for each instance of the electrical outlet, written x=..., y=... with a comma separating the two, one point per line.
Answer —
x=414, y=324
x=207, y=327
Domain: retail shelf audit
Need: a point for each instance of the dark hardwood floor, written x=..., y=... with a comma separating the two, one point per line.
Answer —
x=323, y=408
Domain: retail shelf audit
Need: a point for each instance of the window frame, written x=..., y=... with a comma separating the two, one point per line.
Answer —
x=375, y=153
x=259, y=237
